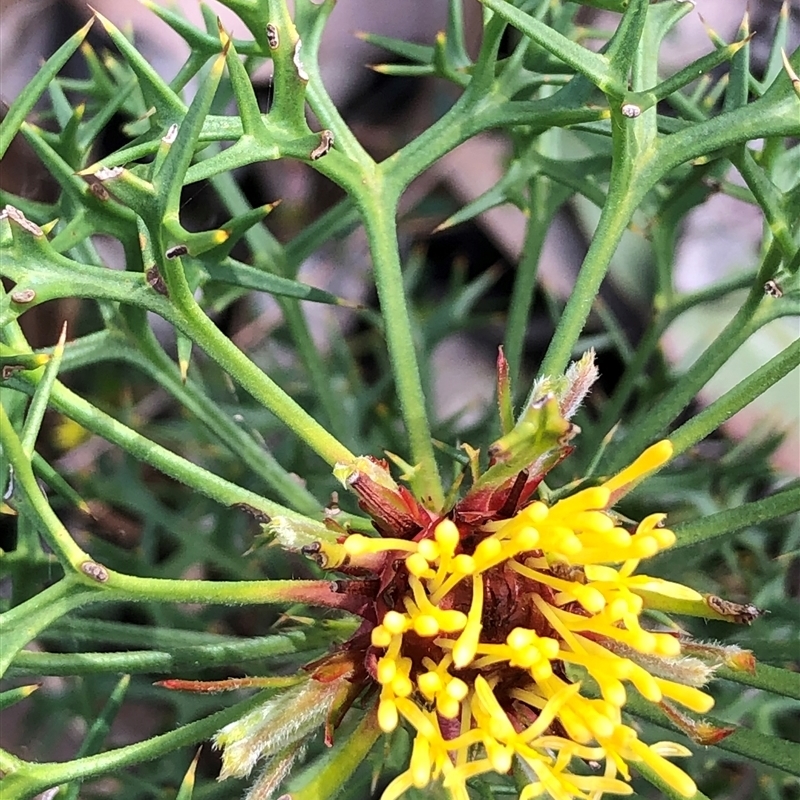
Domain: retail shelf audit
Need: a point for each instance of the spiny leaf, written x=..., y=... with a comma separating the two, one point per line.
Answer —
x=199, y=41
x=33, y=420
x=13, y=696
x=187, y=784
x=243, y=91
x=239, y=274
x=422, y=54
x=169, y=180
x=27, y=98
x=594, y=66
x=99, y=730
x=169, y=108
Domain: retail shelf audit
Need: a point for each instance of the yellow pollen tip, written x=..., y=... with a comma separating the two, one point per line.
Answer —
x=520, y=638
x=542, y=671
x=447, y=706
x=417, y=565
x=426, y=625
x=667, y=645
x=447, y=536
x=487, y=551
x=593, y=498
x=650, y=460
x=402, y=686
x=386, y=670
x=548, y=647
x=464, y=564
x=644, y=642
x=428, y=549
x=536, y=512
x=568, y=544
x=595, y=521
x=387, y=716
x=614, y=692
x=452, y=621
x=420, y=763
x=590, y=598
x=457, y=689
x=500, y=759
x=380, y=637
x=688, y=696
x=644, y=546
x=527, y=539
x=394, y=622
x=429, y=684
x=665, y=537
x=601, y=726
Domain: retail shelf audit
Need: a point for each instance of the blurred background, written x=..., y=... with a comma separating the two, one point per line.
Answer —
x=720, y=236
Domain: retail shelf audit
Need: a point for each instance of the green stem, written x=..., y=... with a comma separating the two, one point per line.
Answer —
x=32, y=502
x=24, y=622
x=172, y=661
x=268, y=252
x=735, y=399
x=160, y=367
x=624, y=193
x=379, y=210
x=541, y=213
x=771, y=679
x=29, y=779
x=652, y=422
x=342, y=762
x=770, y=200
x=705, y=529
x=220, y=348
x=165, y=590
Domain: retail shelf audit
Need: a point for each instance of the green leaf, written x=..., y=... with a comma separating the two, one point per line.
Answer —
x=58, y=484
x=168, y=107
x=16, y=695
x=238, y=274
x=98, y=732
x=708, y=528
x=27, y=98
x=423, y=54
x=35, y=415
x=784, y=682
x=592, y=65
x=169, y=180
x=250, y=113
x=186, y=789
x=540, y=430
x=341, y=761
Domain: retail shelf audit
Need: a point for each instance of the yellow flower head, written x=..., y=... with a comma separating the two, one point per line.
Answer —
x=489, y=629
x=503, y=631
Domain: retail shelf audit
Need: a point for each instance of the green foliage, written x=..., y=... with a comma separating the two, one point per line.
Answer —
x=642, y=146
